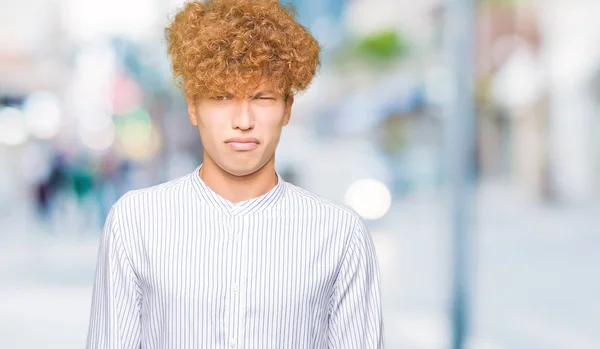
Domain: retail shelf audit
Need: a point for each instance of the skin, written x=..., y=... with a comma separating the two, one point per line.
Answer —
x=240, y=137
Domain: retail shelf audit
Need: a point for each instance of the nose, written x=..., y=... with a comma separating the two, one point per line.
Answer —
x=243, y=119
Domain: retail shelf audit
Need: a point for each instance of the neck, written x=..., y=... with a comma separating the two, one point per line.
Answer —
x=238, y=188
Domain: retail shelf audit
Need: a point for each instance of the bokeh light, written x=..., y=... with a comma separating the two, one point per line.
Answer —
x=95, y=121
x=43, y=115
x=369, y=197
x=98, y=139
x=137, y=139
x=13, y=129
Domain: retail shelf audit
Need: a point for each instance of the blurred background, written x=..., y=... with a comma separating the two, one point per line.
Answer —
x=88, y=112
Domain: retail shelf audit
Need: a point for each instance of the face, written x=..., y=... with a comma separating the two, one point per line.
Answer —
x=241, y=135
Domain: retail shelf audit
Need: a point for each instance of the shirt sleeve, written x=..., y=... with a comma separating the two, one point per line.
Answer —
x=355, y=317
x=116, y=298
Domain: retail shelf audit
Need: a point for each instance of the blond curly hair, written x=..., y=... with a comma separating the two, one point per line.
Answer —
x=222, y=47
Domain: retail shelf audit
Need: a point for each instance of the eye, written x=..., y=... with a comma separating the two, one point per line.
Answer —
x=221, y=98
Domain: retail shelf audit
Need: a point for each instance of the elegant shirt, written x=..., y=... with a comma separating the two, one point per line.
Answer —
x=181, y=267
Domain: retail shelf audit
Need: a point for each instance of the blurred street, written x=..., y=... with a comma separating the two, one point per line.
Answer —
x=89, y=111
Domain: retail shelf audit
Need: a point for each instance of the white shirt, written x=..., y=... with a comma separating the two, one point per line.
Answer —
x=181, y=267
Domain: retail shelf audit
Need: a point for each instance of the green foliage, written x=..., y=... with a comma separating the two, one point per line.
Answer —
x=383, y=45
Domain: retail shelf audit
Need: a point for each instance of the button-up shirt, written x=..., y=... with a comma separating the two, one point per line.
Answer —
x=181, y=267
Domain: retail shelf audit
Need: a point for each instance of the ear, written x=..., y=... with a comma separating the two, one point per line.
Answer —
x=288, y=110
x=192, y=111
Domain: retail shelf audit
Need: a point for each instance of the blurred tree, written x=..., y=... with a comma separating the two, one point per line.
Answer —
x=384, y=45
x=378, y=50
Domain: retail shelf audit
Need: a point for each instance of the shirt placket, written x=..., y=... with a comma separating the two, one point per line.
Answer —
x=236, y=281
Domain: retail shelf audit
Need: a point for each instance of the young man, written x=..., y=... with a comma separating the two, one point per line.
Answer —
x=231, y=255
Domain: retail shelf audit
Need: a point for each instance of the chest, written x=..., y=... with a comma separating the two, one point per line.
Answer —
x=249, y=264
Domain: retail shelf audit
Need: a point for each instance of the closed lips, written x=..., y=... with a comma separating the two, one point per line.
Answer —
x=242, y=140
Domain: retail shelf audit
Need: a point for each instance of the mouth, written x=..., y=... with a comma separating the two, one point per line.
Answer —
x=242, y=143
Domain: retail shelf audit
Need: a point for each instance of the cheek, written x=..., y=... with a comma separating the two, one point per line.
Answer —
x=270, y=129
x=274, y=137
x=272, y=120
x=211, y=127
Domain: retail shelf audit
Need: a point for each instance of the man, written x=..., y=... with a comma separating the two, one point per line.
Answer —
x=231, y=255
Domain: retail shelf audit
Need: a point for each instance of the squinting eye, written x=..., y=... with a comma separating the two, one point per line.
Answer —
x=222, y=98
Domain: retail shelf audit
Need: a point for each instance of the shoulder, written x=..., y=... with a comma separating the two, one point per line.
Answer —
x=163, y=193
x=323, y=205
x=344, y=223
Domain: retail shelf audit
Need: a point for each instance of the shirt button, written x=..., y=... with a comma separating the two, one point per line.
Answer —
x=233, y=343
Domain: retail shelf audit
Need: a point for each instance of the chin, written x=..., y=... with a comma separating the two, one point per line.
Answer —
x=241, y=169
x=240, y=172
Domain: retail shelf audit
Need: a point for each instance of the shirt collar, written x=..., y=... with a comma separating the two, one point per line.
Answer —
x=265, y=201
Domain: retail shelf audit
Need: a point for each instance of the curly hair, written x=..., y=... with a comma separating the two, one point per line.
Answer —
x=221, y=47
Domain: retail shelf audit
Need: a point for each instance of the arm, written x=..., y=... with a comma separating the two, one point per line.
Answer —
x=355, y=316
x=116, y=299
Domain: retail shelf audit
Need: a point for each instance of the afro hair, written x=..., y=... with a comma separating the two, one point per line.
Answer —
x=222, y=47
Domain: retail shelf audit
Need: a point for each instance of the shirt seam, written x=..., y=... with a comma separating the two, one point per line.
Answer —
x=119, y=239
x=349, y=249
